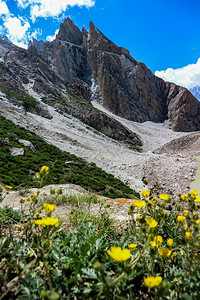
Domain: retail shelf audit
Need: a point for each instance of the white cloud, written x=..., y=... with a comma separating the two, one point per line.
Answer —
x=51, y=8
x=35, y=33
x=3, y=8
x=50, y=38
x=17, y=30
x=188, y=76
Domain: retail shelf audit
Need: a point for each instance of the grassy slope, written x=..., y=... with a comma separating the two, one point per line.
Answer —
x=15, y=171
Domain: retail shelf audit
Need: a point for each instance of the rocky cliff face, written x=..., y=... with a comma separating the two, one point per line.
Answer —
x=89, y=66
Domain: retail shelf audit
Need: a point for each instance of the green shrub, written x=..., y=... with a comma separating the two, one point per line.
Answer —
x=28, y=101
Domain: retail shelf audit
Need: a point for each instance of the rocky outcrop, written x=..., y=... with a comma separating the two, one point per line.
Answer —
x=5, y=46
x=14, y=151
x=183, y=109
x=27, y=144
x=39, y=45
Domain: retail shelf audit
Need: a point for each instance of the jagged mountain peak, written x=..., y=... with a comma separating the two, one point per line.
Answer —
x=70, y=32
x=100, y=41
x=39, y=45
x=5, y=39
x=84, y=31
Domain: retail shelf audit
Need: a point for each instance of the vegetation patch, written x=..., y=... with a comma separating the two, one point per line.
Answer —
x=18, y=171
x=27, y=100
x=153, y=255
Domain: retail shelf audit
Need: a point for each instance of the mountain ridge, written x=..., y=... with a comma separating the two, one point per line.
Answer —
x=89, y=65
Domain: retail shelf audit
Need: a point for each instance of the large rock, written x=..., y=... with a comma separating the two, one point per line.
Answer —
x=14, y=151
x=27, y=144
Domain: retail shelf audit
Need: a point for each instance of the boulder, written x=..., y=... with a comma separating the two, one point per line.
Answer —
x=17, y=151
x=27, y=144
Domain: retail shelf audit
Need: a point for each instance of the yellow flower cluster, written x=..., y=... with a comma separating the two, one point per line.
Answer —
x=164, y=197
x=44, y=170
x=139, y=203
x=8, y=187
x=164, y=252
x=119, y=254
x=47, y=221
x=49, y=207
x=170, y=242
x=153, y=281
x=133, y=246
x=157, y=241
x=145, y=194
x=152, y=223
x=181, y=219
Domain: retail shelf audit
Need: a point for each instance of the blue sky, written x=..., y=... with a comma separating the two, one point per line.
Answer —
x=163, y=34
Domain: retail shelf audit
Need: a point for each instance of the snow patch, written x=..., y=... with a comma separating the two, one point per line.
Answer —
x=95, y=92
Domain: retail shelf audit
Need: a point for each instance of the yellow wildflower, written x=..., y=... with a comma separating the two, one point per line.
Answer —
x=181, y=219
x=198, y=221
x=185, y=212
x=153, y=244
x=157, y=241
x=46, y=221
x=165, y=252
x=164, y=197
x=139, y=203
x=197, y=199
x=170, y=242
x=49, y=207
x=22, y=200
x=34, y=196
x=194, y=193
x=44, y=170
x=119, y=254
x=8, y=187
x=188, y=234
x=145, y=194
x=138, y=218
x=133, y=246
x=151, y=222
x=174, y=254
x=153, y=281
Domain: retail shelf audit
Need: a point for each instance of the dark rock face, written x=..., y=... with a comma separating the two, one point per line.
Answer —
x=5, y=46
x=129, y=89
x=93, y=67
x=39, y=45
